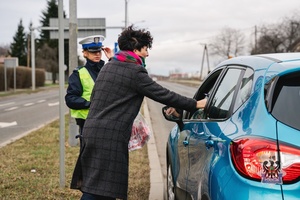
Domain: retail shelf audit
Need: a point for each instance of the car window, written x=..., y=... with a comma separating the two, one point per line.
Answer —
x=245, y=88
x=204, y=89
x=222, y=99
x=286, y=98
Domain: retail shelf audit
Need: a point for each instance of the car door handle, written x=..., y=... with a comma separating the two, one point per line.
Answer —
x=209, y=144
x=185, y=142
x=212, y=141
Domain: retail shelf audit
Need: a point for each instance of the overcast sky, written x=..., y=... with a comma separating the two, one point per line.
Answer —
x=180, y=28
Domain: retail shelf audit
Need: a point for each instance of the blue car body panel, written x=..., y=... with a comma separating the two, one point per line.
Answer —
x=200, y=152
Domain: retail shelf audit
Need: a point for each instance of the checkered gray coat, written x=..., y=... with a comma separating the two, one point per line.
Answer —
x=102, y=166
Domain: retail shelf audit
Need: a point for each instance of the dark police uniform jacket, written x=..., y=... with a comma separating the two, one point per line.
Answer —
x=73, y=98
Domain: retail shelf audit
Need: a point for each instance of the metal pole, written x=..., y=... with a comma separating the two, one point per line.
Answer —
x=28, y=52
x=32, y=58
x=61, y=96
x=126, y=13
x=5, y=79
x=208, y=68
x=73, y=129
x=15, y=78
x=202, y=64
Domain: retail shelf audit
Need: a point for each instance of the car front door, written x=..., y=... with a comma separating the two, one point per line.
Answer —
x=205, y=130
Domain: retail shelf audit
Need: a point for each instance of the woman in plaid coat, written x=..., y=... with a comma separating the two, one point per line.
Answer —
x=101, y=171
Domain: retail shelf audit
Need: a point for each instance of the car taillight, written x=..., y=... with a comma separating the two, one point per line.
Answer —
x=259, y=159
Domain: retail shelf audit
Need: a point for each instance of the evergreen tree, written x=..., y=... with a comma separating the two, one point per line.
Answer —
x=50, y=12
x=46, y=43
x=18, y=46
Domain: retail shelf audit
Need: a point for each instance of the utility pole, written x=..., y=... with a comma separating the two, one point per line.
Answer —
x=126, y=13
x=255, y=39
x=73, y=62
x=61, y=95
x=205, y=54
x=28, y=50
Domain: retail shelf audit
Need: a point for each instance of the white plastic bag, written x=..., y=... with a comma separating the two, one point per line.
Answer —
x=140, y=133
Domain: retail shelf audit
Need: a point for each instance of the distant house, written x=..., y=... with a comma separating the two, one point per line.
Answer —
x=2, y=59
x=178, y=75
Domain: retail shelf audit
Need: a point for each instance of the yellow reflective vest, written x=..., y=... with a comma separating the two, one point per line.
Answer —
x=87, y=83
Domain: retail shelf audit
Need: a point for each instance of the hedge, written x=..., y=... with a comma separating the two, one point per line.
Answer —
x=23, y=78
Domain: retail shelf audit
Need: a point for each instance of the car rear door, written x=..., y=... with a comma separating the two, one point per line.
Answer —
x=285, y=108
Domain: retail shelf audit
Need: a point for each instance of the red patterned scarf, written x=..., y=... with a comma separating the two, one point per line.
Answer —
x=128, y=56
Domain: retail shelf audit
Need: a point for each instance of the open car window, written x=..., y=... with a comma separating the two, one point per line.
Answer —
x=204, y=90
x=226, y=89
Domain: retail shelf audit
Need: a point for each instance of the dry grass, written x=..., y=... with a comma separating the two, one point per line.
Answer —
x=39, y=151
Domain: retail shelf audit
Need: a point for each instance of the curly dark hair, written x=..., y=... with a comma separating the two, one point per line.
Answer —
x=132, y=38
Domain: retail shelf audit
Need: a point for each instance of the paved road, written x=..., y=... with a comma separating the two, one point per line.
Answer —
x=160, y=126
x=22, y=113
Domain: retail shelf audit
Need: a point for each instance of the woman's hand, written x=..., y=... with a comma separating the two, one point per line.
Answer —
x=108, y=52
x=201, y=103
x=172, y=111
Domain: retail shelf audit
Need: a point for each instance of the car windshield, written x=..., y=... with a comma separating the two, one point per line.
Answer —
x=286, y=106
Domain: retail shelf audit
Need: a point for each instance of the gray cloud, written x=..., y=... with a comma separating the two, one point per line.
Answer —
x=178, y=26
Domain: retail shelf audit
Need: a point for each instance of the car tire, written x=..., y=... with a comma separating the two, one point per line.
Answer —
x=170, y=184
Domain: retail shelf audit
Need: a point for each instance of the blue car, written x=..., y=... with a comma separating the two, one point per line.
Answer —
x=245, y=143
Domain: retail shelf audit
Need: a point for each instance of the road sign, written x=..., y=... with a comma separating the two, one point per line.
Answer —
x=11, y=62
x=86, y=27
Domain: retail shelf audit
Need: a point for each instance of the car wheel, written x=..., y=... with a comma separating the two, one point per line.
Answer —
x=170, y=184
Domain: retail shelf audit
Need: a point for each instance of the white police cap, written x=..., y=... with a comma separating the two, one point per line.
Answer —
x=92, y=43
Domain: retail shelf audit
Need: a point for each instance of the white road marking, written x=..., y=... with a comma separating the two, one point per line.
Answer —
x=12, y=108
x=7, y=124
x=53, y=104
x=41, y=101
x=6, y=104
x=28, y=104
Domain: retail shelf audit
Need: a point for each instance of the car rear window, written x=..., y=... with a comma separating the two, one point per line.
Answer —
x=286, y=100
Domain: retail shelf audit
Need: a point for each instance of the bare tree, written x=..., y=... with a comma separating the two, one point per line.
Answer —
x=230, y=42
x=283, y=36
x=291, y=31
x=270, y=40
x=46, y=58
x=4, y=50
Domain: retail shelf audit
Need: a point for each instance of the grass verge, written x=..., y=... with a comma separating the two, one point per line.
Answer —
x=29, y=168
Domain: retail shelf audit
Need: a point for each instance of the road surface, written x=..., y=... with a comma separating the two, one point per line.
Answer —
x=22, y=113
x=161, y=127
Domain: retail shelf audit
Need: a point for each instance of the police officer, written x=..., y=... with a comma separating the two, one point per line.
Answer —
x=82, y=79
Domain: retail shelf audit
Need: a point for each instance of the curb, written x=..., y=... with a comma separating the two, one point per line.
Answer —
x=156, y=179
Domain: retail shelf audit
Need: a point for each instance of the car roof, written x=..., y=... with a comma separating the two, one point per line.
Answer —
x=281, y=57
x=263, y=61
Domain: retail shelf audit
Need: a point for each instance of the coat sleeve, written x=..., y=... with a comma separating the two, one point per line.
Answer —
x=149, y=88
x=74, y=91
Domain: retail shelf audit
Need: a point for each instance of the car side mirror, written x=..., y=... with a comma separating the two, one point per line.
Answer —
x=172, y=117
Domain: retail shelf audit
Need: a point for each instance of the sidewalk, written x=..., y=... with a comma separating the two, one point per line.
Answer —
x=156, y=179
